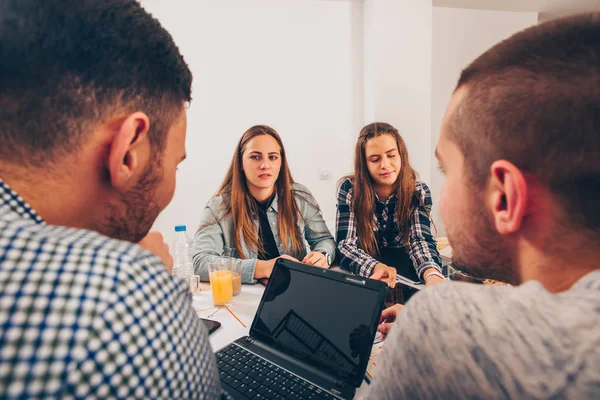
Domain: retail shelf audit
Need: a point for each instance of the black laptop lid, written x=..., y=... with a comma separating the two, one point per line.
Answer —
x=325, y=318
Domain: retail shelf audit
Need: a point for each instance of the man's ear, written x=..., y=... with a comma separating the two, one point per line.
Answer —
x=507, y=195
x=127, y=149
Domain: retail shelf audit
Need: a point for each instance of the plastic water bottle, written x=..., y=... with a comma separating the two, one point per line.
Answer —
x=181, y=251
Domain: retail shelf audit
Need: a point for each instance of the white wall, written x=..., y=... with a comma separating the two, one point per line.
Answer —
x=459, y=36
x=397, y=70
x=317, y=71
x=293, y=64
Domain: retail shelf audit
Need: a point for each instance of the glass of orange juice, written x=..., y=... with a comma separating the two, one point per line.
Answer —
x=237, y=283
x=221, y=282
x=237, y=278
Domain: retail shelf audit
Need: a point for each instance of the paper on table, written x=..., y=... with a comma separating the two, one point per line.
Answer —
x=378, y=338
x=405, y=281
x=373, y=359
x=446, y=252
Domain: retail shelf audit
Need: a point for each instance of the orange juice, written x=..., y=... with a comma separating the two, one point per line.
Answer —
x=237, y=283
x=222, y=287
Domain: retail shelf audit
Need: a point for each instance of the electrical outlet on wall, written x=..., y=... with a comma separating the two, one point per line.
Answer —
x=324, y=174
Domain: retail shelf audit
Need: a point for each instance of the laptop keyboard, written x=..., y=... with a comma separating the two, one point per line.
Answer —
x=259, y=379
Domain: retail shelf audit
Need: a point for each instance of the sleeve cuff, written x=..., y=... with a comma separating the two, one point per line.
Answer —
x=248, y=267
x=366, y=269
x=425, y=266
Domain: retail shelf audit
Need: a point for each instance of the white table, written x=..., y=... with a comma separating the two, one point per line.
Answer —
x=243, y=306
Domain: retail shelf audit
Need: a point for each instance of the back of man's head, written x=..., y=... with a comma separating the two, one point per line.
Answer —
x=67, y=64
x=534, y=100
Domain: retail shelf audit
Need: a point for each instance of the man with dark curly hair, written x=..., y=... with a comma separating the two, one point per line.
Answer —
x=92, y=128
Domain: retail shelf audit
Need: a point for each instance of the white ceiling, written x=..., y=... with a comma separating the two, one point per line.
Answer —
x=540, y=6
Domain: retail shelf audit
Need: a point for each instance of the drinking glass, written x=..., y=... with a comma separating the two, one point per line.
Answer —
x=221, y=282
x=237, y=278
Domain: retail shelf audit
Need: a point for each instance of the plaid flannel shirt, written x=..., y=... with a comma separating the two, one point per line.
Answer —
x=422, y=247
x=86, y=316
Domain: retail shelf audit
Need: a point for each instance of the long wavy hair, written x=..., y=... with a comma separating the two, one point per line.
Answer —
x=363, y=199
x=243, y=209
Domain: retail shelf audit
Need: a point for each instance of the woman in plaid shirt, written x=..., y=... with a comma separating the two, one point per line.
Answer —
x=383, y=219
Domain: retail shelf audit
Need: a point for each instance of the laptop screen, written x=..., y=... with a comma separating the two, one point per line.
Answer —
x=326, y=319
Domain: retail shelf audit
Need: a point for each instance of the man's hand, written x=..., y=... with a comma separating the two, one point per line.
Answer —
x=155, y=244
x=388, y=316
x=382, y=272
x=317, y=259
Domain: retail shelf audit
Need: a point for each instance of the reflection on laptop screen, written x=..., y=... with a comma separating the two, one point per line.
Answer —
x=321, y=320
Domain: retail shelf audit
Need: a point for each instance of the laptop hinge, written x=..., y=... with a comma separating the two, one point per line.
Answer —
x=333, y=380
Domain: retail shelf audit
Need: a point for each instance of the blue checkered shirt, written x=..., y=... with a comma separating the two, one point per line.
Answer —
x=422, y=247
x=86, y=316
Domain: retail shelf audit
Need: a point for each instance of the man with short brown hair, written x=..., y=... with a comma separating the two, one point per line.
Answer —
x=520, y=149
x=92, y=128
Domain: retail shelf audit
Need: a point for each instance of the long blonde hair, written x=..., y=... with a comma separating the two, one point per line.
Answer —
x=243, y=209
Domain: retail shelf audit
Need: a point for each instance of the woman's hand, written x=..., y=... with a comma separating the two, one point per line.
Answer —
x=431, y=279
x=382, y=272
x=388, y=316
x=264, y=268
x=317, y=259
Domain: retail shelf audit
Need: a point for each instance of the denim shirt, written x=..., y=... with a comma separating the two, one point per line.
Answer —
x=215, y=239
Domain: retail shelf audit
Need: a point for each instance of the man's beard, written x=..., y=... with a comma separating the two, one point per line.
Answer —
x=479, y=250
x=131, y=217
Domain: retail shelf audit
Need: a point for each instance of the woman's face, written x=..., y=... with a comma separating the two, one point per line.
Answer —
x=383, y=160
x=261, y=162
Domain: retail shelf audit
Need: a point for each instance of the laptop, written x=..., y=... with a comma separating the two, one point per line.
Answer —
x=310, y=339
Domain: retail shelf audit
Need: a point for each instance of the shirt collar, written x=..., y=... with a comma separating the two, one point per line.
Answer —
x=11, y=199
x=274, y=203
x=390, y=200
x=590, y=280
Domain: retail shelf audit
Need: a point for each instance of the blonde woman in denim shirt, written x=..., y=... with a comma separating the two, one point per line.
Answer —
x=260, y=214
